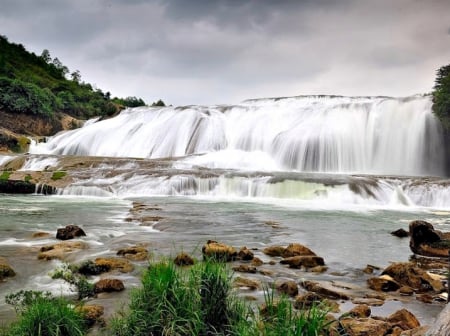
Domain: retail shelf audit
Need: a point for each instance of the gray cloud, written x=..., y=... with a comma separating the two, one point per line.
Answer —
x=226, y=51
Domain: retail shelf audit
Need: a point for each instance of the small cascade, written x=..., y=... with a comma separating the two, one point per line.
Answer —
x=370, y=135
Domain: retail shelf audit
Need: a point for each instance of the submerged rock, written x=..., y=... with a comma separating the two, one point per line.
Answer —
x=244, y=268
x=91, y=313
x=69, y=232
x=137, y=253
x=289, y=287
x=183, y=259
x=400, y=233
x=245, y=282
x=108, y=285
x=274, y=251
x=120, y=264
x=5, y=269
x=245, y=254
x=323, y=290
x=60, y=250
x=307, y=261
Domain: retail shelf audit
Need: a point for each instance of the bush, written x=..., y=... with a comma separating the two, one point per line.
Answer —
x=46, y=316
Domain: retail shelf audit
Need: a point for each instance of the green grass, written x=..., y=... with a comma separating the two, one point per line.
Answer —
x=45, y=316
x=5, y=176
x=28, y=178
x=57, y=175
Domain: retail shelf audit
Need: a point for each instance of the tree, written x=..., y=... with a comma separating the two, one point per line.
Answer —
x=159, y=103
x=441, y=95
x=46, y=56
x=76, y=76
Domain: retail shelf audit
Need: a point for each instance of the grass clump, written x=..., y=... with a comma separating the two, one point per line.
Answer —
x=5, y=176
x=57, y=175
x=79, y=282
x=40, y=314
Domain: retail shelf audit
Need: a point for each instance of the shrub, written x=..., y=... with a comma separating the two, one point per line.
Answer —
x=57, y=175
x=5, y=176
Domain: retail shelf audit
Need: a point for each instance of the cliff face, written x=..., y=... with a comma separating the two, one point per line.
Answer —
x=15, y=129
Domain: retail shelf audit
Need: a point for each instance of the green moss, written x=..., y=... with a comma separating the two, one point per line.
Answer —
x=57, y=175
x=27, y=178
x=5, y=176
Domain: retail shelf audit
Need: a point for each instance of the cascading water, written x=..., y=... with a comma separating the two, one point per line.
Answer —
x=371, y=135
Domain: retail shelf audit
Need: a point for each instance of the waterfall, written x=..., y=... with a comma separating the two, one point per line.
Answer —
x=370, y=135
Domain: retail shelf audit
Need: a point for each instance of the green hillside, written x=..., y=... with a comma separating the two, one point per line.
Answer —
x=40, y=85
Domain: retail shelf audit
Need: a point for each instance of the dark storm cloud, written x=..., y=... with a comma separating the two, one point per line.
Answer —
x=225, y=51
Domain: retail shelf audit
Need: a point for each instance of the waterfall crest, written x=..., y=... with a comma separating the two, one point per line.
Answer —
x=370, y=135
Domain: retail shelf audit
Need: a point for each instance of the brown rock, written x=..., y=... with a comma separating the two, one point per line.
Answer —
x=137, y=253
x=323, y=291
x=425, y=298
x=244, y=282
x=406, y=290
x=5, y=269
x=400, y=233
x=289, y=287
x=403, y=319
x=297, y=250
x=303, y=261
x=257, y=262
x=91, y=313
x=361, y=310
x=307, y=300
x=37, y=235
x=219, y=251
x=370, y=269
x=245, y=254
x=373, y=302
x=365, y=327
x=108, y=285
x=69, y=232
x=427, y=241
x=244, y=268
x=318, y=269
x=274, y=251
x=408, y=274
x=420, y=331
x=183, y=259
x=383, y=283
x=266, y=272
x=120, y=264
x=60, y=250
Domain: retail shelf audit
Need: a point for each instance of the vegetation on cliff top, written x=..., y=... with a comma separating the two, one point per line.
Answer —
x=40, y=85
x=441, y=95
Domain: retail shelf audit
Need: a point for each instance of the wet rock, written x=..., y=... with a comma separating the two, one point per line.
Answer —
x=244, y=268
x=6, y=270
x=69, y=232
x=245, y=254
x=274, y=251
x=404, y=319
x=400, y=233
x=425, y=298
x=420, y=331
x=383, y=283
x=120, y=264
x=59, y=250
x=373, y=302
x=297, y=250
x=257, y=262
x=407, y=274
x=406, y=291
x=323, y=290
x=307, y=300
x=38, y=235
x=427, y=241
x=318, y=269
x=218, y=251
x=365, y=327
x=183, y=259
x=108, y=285
x=17, y=187
x=289, y=287
x=136, y=253
x=370, y=269
x=92, y=314
x=303, y=261
x=360, y=310
x=91, y=268
x=266, y=272
x=245, y=282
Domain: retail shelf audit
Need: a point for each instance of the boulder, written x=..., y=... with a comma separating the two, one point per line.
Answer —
x=360, y=311
x=303, y=261
x=400, y=233
x=69, y=232
x=274, y=251
x=108, y=285
x=404, y=319
x=120, y=264
x=383, y=283
x=407, y=274
x=5, y=269
x=307, y=300
x=245, y=282
x=136, y=253
x=244, y=268
x=289, y=287
x=257, y=262
x=183, y=259
x=323, y=290
x=245, y=254
x=91, y=268
x=218, y=251
x=91, y=313
x=59, y=250
x=427, y=241
x=365, y=327
x=297, y=250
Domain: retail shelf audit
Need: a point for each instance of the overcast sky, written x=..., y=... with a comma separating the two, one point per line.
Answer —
x=214, y=52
